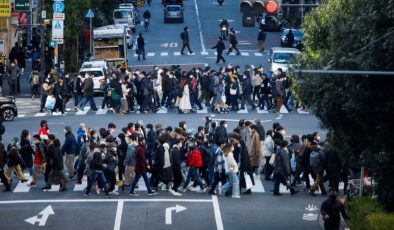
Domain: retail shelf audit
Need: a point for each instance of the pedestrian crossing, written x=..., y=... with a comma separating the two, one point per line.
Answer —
x=204, y=110
x=261, y=186
x=203, y=54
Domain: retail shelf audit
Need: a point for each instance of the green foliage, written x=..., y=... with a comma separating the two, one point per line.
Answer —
x=359, y=209
x=358, y=111
x=379, y=221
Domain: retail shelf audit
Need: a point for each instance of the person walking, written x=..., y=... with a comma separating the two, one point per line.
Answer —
x=194, y=161
x=282, y=169
x=289, y=39
x=185, y=40
x=268, y=151
x=233, y=42
x=70, y=149
x=57, y=174
x=176, y=165
x=147, y=15
x=331, y=211
x=3, y=161
x=39, y=160
x=13, y=74
x=26, y=151
x=14, y=161
x=88, y=93
x=129, y=161
x=220, y=47
x=141, y=168
x=255, y=149
x=247, y=90
x=231, y=169
x=141, y=47
x=261, y=36
x=96, y=173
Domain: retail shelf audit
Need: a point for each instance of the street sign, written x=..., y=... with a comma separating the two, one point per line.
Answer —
x=52, y=43
x=22, y=5
x=43, y=14
x=59, y=41
x=58, y=7
x=89, y=14
x=5, y=8
x=57, y=29
x=58, y=16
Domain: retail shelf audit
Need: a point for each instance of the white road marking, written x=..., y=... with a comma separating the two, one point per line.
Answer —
x=81, y=187
x=118, y=218
x=244, y=43
x=258, y=54
x=262, y=111
x=104, y=200
x=199, y=27
x=101, y=111
x=164, y=54
x=204, y=53
x=243, y=110
x=218, y=216
x=177, y=53
x=40, y=114
x=23, y=187
x=258, y=186
x=150, y=54
x=244, y=54
x=177, y=208
x=21, y=115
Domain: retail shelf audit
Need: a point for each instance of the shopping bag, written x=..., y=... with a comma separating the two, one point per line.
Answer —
x=248, y=181
x=50, y=102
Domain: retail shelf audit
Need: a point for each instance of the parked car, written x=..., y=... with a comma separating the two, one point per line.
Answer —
x=173, y=13
x=8, y=109
x=298, y=38
x=134, y=8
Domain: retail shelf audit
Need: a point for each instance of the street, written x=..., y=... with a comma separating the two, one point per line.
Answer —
x=32, y=208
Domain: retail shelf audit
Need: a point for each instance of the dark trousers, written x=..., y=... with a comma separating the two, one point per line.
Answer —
x=121, y=167
x=233, y=101
x=194, y=99
x=111, y=178
x=268, y=169
x=43, y=100
x=141, y=51
x=264, y=99
x=4, y=179
x=277, y=180
x=130, y=102
x=137, y=178
x=178, y=178
x=48, y=170
x=246, y=97
x=147, y=103
x=186, y=45
x=205, y=96
x=100, y=178
x=85, y=100
x=107, y=101
x=256, y=92
x=166, y=99
x=233, y=46
x=218, y=177
x=77, y=99
x=80, y=170
x=219, y=57
x=58, y=105
x=12, y=85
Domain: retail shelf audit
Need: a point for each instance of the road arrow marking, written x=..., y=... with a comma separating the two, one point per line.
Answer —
x=44, y=216
x=311, y=208
x=310, y=217
x=177, y=208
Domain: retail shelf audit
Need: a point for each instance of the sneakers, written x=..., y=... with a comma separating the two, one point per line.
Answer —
x=202, y=190
x=152, y=193
x=220, y=191
x=174, y=193
x=182, y=190
x=133, y=194
x=238, y=197
x=113, y=193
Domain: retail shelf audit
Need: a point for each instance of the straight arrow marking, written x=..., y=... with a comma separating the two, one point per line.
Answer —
x=44, y=216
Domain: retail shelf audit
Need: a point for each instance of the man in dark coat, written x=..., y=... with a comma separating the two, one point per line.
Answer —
x=176, y=161
x=331, y=210
x=185, y=40
x=70, y=149
x=220, y=47
x=141, y=47
x=221, y=132
x=233, y=42
x=333, y=166
x=3, y=178
x=247, y=90
x=88, y=93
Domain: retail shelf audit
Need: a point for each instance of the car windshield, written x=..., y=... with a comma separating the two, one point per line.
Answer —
x=282, y=57
x=173, y=8
x=297, y=33
x=94, y=73
x=123, y=14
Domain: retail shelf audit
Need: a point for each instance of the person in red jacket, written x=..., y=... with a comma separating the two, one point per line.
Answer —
x=194, y=161
x=141, y=167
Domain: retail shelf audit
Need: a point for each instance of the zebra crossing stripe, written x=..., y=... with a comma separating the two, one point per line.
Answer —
x=23, y=187
x=84, y=112
x=204, y=53
x=258, y=54
x=244, y=54
x=102, y=111
x=177, y=53
x=150, y=54
x=40, y=114
x=243, y=110
x=258, y=186
x=163, y=54
x=262, y=111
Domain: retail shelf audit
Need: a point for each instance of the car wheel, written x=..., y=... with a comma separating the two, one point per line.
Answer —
x=8, y=114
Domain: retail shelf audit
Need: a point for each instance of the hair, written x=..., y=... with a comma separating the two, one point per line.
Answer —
x=24, y=134
x=141, y=139
x=275, y=125
x=43, y=122
x=92, y=146
x=222, y=123
x=36, y=136
x=103, y=132
x=200, y=128
x=295, y=139
x=222, y=141
x=56, y=143
x=283, y=144
x=247, y=123
x=111, y=125
x=51, y=137
x=236, y=136
x=177, y=141
x=241, y=122
x=253, y=127
x=227, y=148
x=122, y=136
x=269, y=133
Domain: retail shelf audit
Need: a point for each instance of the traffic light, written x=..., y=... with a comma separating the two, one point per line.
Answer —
x=260, y=6
x=273, y=6
x=246, y=5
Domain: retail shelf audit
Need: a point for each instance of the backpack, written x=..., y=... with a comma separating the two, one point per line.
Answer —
x=35, y=78
x=314, y=160
x=179, y=91
x=182, y=35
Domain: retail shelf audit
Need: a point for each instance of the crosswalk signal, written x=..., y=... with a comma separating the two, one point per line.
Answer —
x=273, y=6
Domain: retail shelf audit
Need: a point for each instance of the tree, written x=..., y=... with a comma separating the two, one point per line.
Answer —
x=358, y=111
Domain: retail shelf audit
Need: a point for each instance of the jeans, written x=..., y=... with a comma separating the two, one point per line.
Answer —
x=146, y=180
x=166, y=99
x=193, y=173
x=194, y=100
x=219, y=177
x=85, y=100
x=102, y=182
x=232, y=183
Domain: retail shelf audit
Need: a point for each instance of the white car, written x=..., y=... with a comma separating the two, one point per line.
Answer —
x=279, y=57
x=98, y=76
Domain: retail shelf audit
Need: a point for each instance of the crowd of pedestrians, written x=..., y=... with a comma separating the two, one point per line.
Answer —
x=179, y=159
x=125, y=90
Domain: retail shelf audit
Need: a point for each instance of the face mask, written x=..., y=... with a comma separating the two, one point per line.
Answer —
x=115, y=149
x=184, y=126
x=225, y=125
x=232, y=148
x=65, y=131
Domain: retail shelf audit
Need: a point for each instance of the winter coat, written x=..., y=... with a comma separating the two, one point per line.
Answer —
x=247, y=87
x=246, y=135
x=27, y=153
x=141, y=165
x=13, y=72
x=57, y=158
x=70, y=144
x=110, y=161
x=130, y=155
x=184, y=101
x=230, y=164
x=88, y=87
x=255, y=149
x=194, y=159
x=220, y=134
x=97, y=161
x=269, y=147
x=220, y=47
x=176, y=158
x=14, y=157
x=282, y=162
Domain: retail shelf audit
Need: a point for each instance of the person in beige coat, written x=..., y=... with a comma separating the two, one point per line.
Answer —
x=255, y=149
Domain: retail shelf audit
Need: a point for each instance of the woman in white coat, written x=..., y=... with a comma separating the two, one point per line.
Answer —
x=184, y=102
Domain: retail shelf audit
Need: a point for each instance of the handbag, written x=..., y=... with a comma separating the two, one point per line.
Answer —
x=50, y=102
x=248, y=181
x=233, y=91
x=272, y=160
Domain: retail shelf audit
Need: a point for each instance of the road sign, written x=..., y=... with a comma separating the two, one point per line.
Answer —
x=5, y=8
x=59, y=41
x=57, y=29
x=58, y=16
x=89, y=14
x=58, y=7
x=42, y=217
x=43, y=14
x=52, y=43
x=22, y=5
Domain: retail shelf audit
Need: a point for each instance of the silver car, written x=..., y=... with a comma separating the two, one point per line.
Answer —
x=173, y=13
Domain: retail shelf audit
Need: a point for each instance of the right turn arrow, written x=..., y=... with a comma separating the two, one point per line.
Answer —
x=177, y=208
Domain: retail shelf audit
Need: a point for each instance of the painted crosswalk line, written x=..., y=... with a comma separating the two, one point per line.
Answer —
x=24, y=187
x=258, y=186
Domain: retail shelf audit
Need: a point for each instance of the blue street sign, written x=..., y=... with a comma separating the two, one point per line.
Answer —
x=52, y=44
x=57, y=25
x=58, y=7
x=89, y=14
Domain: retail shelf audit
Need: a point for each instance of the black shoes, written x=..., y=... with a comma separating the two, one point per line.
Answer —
x=293, y=191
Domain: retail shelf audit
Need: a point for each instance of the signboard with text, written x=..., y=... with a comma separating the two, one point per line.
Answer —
x=22, y=5
x=5, y=8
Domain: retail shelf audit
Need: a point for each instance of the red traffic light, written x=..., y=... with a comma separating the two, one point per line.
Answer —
x=271, y=7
